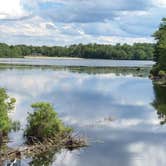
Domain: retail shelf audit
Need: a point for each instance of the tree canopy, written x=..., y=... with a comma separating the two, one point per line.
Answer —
x=160, y=48
x=137, y=51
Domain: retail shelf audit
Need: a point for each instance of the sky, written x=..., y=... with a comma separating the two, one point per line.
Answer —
x=66, y=22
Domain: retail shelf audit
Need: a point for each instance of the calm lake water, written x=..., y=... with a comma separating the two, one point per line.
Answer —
x=119, y=110
x=76, y=62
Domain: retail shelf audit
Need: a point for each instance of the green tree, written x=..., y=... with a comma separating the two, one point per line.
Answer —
x=160, y=48
x=137, y=51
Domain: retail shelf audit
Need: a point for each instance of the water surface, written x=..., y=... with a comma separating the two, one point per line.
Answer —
x=76, y=62
x=116, y=109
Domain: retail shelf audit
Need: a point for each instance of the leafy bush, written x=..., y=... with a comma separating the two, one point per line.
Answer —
x=162, y=73
x=6, y=105
x=155, y=70
x=43, y=123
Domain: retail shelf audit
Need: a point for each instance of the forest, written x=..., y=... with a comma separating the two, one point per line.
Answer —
x=137, y=51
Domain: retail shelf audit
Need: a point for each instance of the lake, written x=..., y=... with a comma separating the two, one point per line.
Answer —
x=75, y=62
x=118, y=109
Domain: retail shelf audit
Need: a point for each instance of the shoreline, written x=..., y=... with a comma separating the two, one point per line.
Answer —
x=75, y=58
x=47, y=57
x=161, y=81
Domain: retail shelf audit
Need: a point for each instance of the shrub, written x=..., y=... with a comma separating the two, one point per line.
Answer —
x=6, y=105
x=43, y=123
x=162, y=73
x=155, y=70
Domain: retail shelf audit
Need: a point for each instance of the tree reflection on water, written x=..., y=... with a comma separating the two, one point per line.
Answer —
x=160, y=102
x=43, y=159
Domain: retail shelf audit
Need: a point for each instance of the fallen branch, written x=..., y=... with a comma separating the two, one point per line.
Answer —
x=36, y=148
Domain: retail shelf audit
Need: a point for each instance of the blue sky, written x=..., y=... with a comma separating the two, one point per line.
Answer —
x=65, y=22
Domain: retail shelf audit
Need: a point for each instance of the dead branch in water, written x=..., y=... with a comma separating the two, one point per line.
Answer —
x=36, y=147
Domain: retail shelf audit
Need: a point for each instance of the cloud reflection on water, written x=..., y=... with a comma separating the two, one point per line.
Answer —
x=83, y=101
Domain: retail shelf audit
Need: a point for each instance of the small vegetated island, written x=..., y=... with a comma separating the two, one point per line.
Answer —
x=44, y=132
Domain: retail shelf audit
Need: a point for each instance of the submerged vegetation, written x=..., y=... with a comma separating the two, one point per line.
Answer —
x=137, y=51
x=159, y=69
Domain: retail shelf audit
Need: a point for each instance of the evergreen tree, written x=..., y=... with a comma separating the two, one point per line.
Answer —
x=160, y=48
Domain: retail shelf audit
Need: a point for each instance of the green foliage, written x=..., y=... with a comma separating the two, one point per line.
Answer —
x=162, y=73
x=155, y=70
x=7, y=51
x=6, y=105
x=137, y=51
x=43, y=123
x=160, y=47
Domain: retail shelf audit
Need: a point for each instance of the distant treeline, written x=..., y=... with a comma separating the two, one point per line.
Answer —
x=137, y=51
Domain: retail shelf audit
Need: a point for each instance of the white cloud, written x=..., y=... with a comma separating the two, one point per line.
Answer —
x=131, y=40
x=54, y=22
x=11, y=9
x=160, y=3
x=35, y=26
